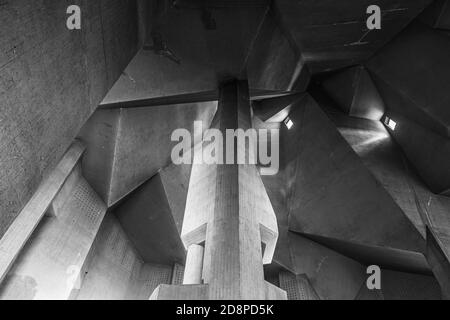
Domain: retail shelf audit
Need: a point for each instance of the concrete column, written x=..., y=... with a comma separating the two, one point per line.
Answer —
x=227, y=207
x=194, y=265
x=233, y=258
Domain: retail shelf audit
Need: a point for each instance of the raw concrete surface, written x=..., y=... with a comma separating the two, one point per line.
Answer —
x=354, y=91
x=333, y=34
x=330, y=191
x=54, y=256
x=116, y=271
x=128, y=146
x=147, y=219
x=51, y=80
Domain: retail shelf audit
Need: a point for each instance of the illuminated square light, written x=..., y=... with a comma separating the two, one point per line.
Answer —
x=288, y=122
x=390, y=123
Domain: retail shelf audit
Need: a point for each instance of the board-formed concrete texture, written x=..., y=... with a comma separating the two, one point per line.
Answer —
x=95, y=205
x=51, y=80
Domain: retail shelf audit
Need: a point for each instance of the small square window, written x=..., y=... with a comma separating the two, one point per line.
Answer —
x=390, y=123
x=288, y=122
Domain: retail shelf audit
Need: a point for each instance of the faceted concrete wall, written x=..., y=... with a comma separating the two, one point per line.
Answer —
x=126, y=147
x=331, y=193
x=51, y=79
x=116, y=271
x=354, y=91
x=49, y=266
x=411, y=74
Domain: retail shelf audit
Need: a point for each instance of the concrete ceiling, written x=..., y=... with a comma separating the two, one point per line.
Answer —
x=189, y=46
x=181, y=55
x=333, y=34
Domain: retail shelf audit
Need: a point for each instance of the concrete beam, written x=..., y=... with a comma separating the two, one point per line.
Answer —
x=50, y=74
x=23, y=226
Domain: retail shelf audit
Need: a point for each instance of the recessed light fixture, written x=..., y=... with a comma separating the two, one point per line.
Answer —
x=288, y=122
x=390, y=123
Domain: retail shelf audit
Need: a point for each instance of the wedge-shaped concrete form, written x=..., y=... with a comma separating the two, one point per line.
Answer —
x=330, y=192
x=51, y=81
x=121, y=147
x=18, y=234
x=381, y=155
x=353, y=90
x=408, y=286
x=297, y=287
x=334, y=35
x=175, y=180
x=438, y=253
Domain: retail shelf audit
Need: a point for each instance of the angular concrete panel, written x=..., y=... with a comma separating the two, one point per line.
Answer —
x=438, y=255
x=99, y=134
x=333, y=35
x=383, y=157
x=297, y=287
x=407, y=286
x=147, y=219
x=330, y=191
x=229, y=213
x=275, y=62
x=122, y=144
x=415, y=66
x=49, y=265
x=427, y=151
x=51, y=79
x=353, y=90
x=175, y=180
x=275, y=109
x=332, y=275
x=437, y=15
